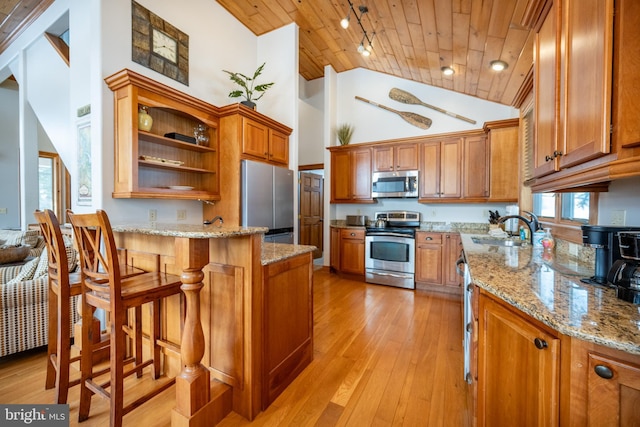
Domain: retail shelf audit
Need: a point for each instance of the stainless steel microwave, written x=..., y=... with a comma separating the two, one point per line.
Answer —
x=395, y=184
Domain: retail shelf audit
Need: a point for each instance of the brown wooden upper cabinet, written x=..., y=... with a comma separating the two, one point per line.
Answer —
x=264, y=143
x=441, y=169
x=476, y=168
x=389, y=158
x=585, y=87
x=351, y=175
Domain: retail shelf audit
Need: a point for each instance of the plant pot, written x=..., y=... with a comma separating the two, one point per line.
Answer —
x=249, y=104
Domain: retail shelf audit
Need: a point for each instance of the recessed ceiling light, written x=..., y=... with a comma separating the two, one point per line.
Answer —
x=498, y=65
x=447, y=71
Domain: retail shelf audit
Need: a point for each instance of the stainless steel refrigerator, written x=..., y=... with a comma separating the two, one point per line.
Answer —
x=267, y=200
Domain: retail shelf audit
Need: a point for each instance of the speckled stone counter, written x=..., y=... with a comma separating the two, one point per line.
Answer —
x=274, y=252
x=192, y=231
x=547, y=287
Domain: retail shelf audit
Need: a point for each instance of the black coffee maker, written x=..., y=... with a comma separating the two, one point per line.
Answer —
x=625, y=272
x=605, y=240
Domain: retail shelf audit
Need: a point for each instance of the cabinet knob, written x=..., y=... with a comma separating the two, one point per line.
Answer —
x=353, y=234
x=428, y=238
x=447, y=236
x=469, y=328
x=603, y=372
x=547, y=158
x=557, y=154
x=468, y=378
x=540, y=343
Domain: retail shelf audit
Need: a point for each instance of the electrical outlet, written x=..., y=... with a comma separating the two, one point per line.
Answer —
x=181, y=214
x=153, y=215
x=618, y=217
x=3, y=211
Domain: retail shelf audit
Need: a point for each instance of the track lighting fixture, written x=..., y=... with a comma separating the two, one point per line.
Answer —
x=366, y=45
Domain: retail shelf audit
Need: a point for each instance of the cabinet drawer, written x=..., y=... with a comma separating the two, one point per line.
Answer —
x=427, y=237
x=350, y=233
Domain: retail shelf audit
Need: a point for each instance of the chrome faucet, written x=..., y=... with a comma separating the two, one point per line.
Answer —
x=532, y=222
x=211, y=221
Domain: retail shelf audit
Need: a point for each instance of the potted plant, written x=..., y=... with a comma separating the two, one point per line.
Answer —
x=248, y=87
x=344, y=132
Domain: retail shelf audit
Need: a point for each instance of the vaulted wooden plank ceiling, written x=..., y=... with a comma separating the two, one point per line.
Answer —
x=413, y=39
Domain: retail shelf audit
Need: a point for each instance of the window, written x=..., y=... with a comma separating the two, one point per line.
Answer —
x=565, y=213
x=53, y=183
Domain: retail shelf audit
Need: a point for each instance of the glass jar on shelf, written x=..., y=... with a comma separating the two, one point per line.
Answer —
x=201, y=133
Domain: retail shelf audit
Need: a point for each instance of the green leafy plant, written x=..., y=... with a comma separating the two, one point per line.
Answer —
x=344, y=132
x=249, y=88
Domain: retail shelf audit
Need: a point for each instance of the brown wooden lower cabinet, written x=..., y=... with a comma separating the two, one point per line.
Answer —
x=531, y=375
x=347, y=250
x=436, y=255
x=518, y=369
x=288, y=323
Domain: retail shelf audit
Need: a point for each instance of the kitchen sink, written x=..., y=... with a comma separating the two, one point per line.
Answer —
x=495, y=241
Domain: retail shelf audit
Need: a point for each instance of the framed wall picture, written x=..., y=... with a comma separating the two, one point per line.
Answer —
x=158, y=45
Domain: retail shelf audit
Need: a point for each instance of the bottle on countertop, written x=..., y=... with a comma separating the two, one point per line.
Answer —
x=523, y=233
x=547, y=240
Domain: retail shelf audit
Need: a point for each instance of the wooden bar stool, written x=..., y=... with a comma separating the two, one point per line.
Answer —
x=62, y=287
x=104, y=287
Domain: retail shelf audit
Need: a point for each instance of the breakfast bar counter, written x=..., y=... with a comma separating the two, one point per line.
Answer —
x=547, y=287
x=234, y=286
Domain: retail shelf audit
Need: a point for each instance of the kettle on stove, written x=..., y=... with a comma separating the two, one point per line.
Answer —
x=381, y=223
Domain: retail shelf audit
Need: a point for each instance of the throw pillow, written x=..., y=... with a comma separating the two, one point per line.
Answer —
x=26, y=272
x=43, y=265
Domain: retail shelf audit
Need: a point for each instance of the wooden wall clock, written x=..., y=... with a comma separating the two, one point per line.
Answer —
x=158, y=45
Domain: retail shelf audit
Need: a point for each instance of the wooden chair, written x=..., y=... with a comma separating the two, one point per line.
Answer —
x=104, y=287
x=62, y=287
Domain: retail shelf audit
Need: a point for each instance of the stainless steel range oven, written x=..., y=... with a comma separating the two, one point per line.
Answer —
x=390, y=250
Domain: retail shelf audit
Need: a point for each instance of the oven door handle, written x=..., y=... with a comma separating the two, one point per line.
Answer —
x=399, y=275
x=388, y=234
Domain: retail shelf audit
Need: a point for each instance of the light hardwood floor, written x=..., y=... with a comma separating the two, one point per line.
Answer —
x=382, y=357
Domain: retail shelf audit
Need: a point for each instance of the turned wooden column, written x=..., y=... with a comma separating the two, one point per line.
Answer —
x=193, y=382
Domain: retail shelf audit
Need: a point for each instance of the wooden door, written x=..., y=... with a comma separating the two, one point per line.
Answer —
x=361, y=178
x=352, y=251
x=335, y=248
x=406, y=157
x=451, y=168
x=278, y=147
x=429, y=170
x=585, y=109
x=311, y=211
x=451, y=252
x=518, y=369
x=476, y=168
x=612, y=401
x=383, y=159
x=546, y=64
x=340, y=176
x=255, y=139
x=429, y=258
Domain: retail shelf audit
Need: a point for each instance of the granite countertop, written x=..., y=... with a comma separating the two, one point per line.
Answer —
x=194, y=231
x=274, y=252
x=547, y=287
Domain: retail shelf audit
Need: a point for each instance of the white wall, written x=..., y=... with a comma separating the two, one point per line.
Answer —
x=311, y=131
x=9, y=155
x=624, y=195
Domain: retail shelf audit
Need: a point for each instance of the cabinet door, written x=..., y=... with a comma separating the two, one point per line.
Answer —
x=361, y=177
x=585, y=110
x=613, y=401
x=278, y=147
x=340, y=176
x=504, y=174
x=476, y=168
x=352, y=252
x=383, y=159
x=546, y=63
x=429, y=258
x=406, y=157
x=451, y=253
x=335, y=248
x=451, y=168
x=255, y=139
x=429, y=170
x=518, y=362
